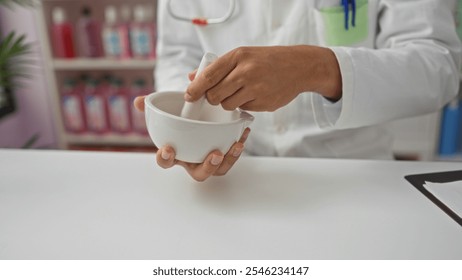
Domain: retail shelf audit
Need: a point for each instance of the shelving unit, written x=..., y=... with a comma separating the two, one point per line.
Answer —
x=110, y=139
x=58, y=69
x=87, y=64
x=455, y=158
x=416, y=138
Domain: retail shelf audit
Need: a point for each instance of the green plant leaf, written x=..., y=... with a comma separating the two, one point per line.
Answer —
x=24, y=3
x=31, y=141
x=13, y=46
x=13, y=63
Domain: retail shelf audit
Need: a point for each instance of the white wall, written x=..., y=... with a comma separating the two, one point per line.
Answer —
x=34, y=112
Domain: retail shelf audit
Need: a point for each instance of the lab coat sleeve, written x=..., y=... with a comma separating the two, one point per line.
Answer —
x=414, y=70
x=178, y=48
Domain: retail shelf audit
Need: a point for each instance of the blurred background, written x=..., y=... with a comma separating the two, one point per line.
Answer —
x=70, y=69
x=81, y=65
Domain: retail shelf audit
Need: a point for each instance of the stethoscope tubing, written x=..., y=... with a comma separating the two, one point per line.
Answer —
x=202, y=21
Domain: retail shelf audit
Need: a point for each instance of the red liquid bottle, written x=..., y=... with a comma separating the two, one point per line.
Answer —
x=62, y=36
x=88, y=33
x=72, y=107
x=143, y=34
x=118, y=107
x=95, y=107
x=138, y=88
x=115, y=36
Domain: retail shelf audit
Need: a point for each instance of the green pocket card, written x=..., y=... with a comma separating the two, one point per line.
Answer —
x=334, y=25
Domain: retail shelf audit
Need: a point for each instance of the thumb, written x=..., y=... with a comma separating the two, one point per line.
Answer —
x=139, y=103
x=192, y=75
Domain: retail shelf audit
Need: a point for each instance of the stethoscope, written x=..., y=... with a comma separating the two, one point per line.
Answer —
x=202, y=21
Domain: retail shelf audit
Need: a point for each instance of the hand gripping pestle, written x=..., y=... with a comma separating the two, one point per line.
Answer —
x=201, y=109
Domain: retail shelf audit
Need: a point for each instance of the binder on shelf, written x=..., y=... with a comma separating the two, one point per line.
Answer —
x=450, y=133
x=459, y=135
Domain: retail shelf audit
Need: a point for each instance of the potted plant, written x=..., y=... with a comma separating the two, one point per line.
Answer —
x=13, y=63
x=13, y=60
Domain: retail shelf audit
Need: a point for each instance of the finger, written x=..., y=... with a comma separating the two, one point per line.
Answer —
x=236, y=100
x=210, y=76
x=227, y=87
x=200, y=172
x=139, y=103
x=165, y=157
x=230, y=158
x=255, y=106
x=233, y=154
x=192, y=75
x=244, y=135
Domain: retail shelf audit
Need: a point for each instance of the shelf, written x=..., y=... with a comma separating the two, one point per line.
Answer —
x=102, y=64
x=420, y=150
x=129, y=139
x=457, y=157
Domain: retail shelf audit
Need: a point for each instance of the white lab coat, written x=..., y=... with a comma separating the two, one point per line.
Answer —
x=404, y=64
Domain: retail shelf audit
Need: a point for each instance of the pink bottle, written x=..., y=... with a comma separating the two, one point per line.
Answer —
x=143, y=34
x=95, y=107
x=118, y=107
x=72, y=108
x=62, y=36
x=126, y=23
x=138, y=88
x=88, y=33
x=115, y=36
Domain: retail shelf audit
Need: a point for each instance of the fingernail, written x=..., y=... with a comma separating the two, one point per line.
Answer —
x=165, y=155
x=216, y=160
x=247, y=132
x=237, y=152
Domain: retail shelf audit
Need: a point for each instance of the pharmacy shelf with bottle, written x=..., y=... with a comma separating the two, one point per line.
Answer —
x=102, y=56
x=450, y=134
x=450, y=129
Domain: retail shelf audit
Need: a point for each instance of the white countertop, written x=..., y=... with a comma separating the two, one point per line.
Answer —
x=103, y=205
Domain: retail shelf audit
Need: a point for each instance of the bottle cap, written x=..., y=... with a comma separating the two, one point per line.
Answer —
x=86, y=11
x=117, y=82
x=59, y=15
x=110, y=14
x=92, y=82
x=70, y=82
x=139, y=13
x=139, y=82
x=84, y=77
x=107, y=78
